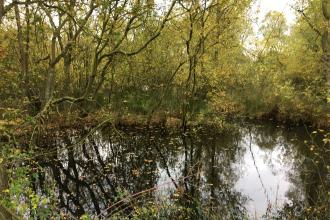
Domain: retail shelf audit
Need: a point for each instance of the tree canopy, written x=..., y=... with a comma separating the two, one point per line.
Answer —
x=186, y=58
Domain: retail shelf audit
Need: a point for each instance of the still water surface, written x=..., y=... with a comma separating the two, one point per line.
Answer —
x=251, y=173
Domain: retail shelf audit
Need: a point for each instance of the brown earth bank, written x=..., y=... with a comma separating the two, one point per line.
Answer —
x=59, y=122
x=284, y=119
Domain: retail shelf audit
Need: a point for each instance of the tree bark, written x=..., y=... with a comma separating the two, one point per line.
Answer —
x=325, y=39
x=68, y=55
x=22, y=55
x=51, y=73
x=23, y=45
x=2, y=8
x=4, y=214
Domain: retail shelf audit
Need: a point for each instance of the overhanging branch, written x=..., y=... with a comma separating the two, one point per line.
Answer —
x=307, y=19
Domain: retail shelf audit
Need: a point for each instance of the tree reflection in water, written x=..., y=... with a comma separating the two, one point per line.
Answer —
x=171, y=175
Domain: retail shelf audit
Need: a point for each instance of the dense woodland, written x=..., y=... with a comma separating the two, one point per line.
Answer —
x=183, y=61
x=186, y=59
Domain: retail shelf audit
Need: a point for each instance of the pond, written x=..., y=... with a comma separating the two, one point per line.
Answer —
x=253, y=172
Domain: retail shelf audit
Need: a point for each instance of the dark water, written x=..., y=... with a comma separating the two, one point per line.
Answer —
x=252, y=173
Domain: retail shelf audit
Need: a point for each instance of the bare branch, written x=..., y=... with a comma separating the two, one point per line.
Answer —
x=152, y=38
x=307, y=19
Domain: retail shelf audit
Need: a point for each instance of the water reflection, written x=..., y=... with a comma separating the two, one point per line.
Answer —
x=254, y=172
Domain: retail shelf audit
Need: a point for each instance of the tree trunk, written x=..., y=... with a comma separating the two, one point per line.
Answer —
x=67, y=64
x=68, y=55
x=22, y=54
x=4, y=214
x=51, y=74
x=325, y=39
x=2, y=8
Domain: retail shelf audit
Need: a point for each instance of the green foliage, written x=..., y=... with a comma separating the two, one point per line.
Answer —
x=284, y=77
x=20, y=198
x=191, y=63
